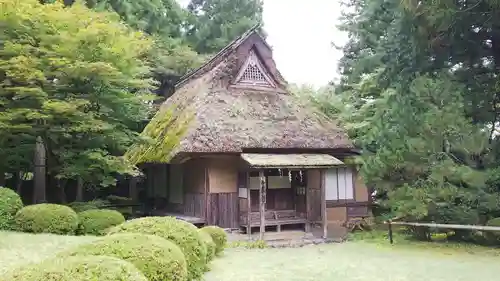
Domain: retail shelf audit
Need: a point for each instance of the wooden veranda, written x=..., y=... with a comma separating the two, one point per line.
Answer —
x=314, y=210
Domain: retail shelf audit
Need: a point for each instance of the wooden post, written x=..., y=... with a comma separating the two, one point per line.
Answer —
x=323, y=202
x=390, y=232
x=208, y=203
x=249, y=206
x=308, y=207
x=262, y=204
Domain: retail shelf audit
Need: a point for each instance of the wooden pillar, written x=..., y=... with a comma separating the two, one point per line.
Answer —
x=308, y=207
x=208, y=213
x=323, y=202
x=249, y=206
x=262, y=204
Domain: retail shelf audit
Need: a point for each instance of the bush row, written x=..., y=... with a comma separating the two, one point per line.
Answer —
x=151, y=248
x=53, y=218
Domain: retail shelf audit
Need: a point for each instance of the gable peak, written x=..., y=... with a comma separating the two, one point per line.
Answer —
x=253, y=73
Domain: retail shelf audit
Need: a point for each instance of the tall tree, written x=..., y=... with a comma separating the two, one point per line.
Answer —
x=75, y=84
x=215, y=23
x=418, y=95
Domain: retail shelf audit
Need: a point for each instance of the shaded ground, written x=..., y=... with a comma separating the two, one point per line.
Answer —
x=344, y=262
x=352, y=261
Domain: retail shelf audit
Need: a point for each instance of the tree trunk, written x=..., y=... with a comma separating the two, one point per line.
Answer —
x=2, y=178
x=79, y=190
x=61, y=188
x=39, y=178
x=19, y=181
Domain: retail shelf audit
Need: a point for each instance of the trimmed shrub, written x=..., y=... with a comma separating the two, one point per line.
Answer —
x=82, y=268
x=89, y=205
x=47, y=218
x=218, y=235
x=182, y=233
x=157, y=258
x=209, y=244
x=96, y=222
x=10, y=203
x=493, y=222
x=492, y=237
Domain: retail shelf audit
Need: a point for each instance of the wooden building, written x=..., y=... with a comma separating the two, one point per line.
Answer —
x=253, y=155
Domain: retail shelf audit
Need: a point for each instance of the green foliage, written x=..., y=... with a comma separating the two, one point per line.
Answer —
x=157, y=258
x=89, y=205
x=82, y=88
x=218, y=235
x=96, y=222
x=494, y=222
x=10, y=203
x=47, y=218
x=209, y=244
x=83, y=268
x=183, y=234
x=215, y=23
x=418, y=95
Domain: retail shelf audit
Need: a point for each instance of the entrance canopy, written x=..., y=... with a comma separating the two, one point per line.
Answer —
x=291, y=161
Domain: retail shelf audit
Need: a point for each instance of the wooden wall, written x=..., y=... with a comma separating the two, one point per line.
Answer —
x=223, y=175
x=339, y=212
x=222, y=198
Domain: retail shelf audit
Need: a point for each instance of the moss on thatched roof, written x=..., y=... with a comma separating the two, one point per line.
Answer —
x=161, y=137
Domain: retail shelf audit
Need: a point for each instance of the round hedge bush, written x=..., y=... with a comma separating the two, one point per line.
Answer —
x=157, y=258
x=494, y=222
x=82, y=268
x=96, y=222
x=47, y=218
x=209, y=244
x=183, y=234
x=218, y=235
x=10, y=204
x=492, y=237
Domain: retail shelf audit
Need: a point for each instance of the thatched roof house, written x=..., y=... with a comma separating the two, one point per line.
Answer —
x=233, y=116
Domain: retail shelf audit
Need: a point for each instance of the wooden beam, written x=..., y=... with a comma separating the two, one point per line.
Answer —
x=262, y=204
x=323, y=202
x=249, y=205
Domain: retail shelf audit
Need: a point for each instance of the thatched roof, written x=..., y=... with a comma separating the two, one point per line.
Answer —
x=231, y=118
x=297, y=161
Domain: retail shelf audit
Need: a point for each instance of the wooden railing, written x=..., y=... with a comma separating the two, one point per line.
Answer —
x=390, y=223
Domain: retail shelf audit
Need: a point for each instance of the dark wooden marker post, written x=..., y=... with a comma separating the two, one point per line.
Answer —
x=390, y=232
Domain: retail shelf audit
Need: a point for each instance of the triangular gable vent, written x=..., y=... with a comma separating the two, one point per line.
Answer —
x=253, y=73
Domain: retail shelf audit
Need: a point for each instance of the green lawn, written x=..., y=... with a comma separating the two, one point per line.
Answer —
x=352, y=261
x=345, y=262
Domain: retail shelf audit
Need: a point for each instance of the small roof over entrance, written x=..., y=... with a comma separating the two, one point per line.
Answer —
x=291, y=161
